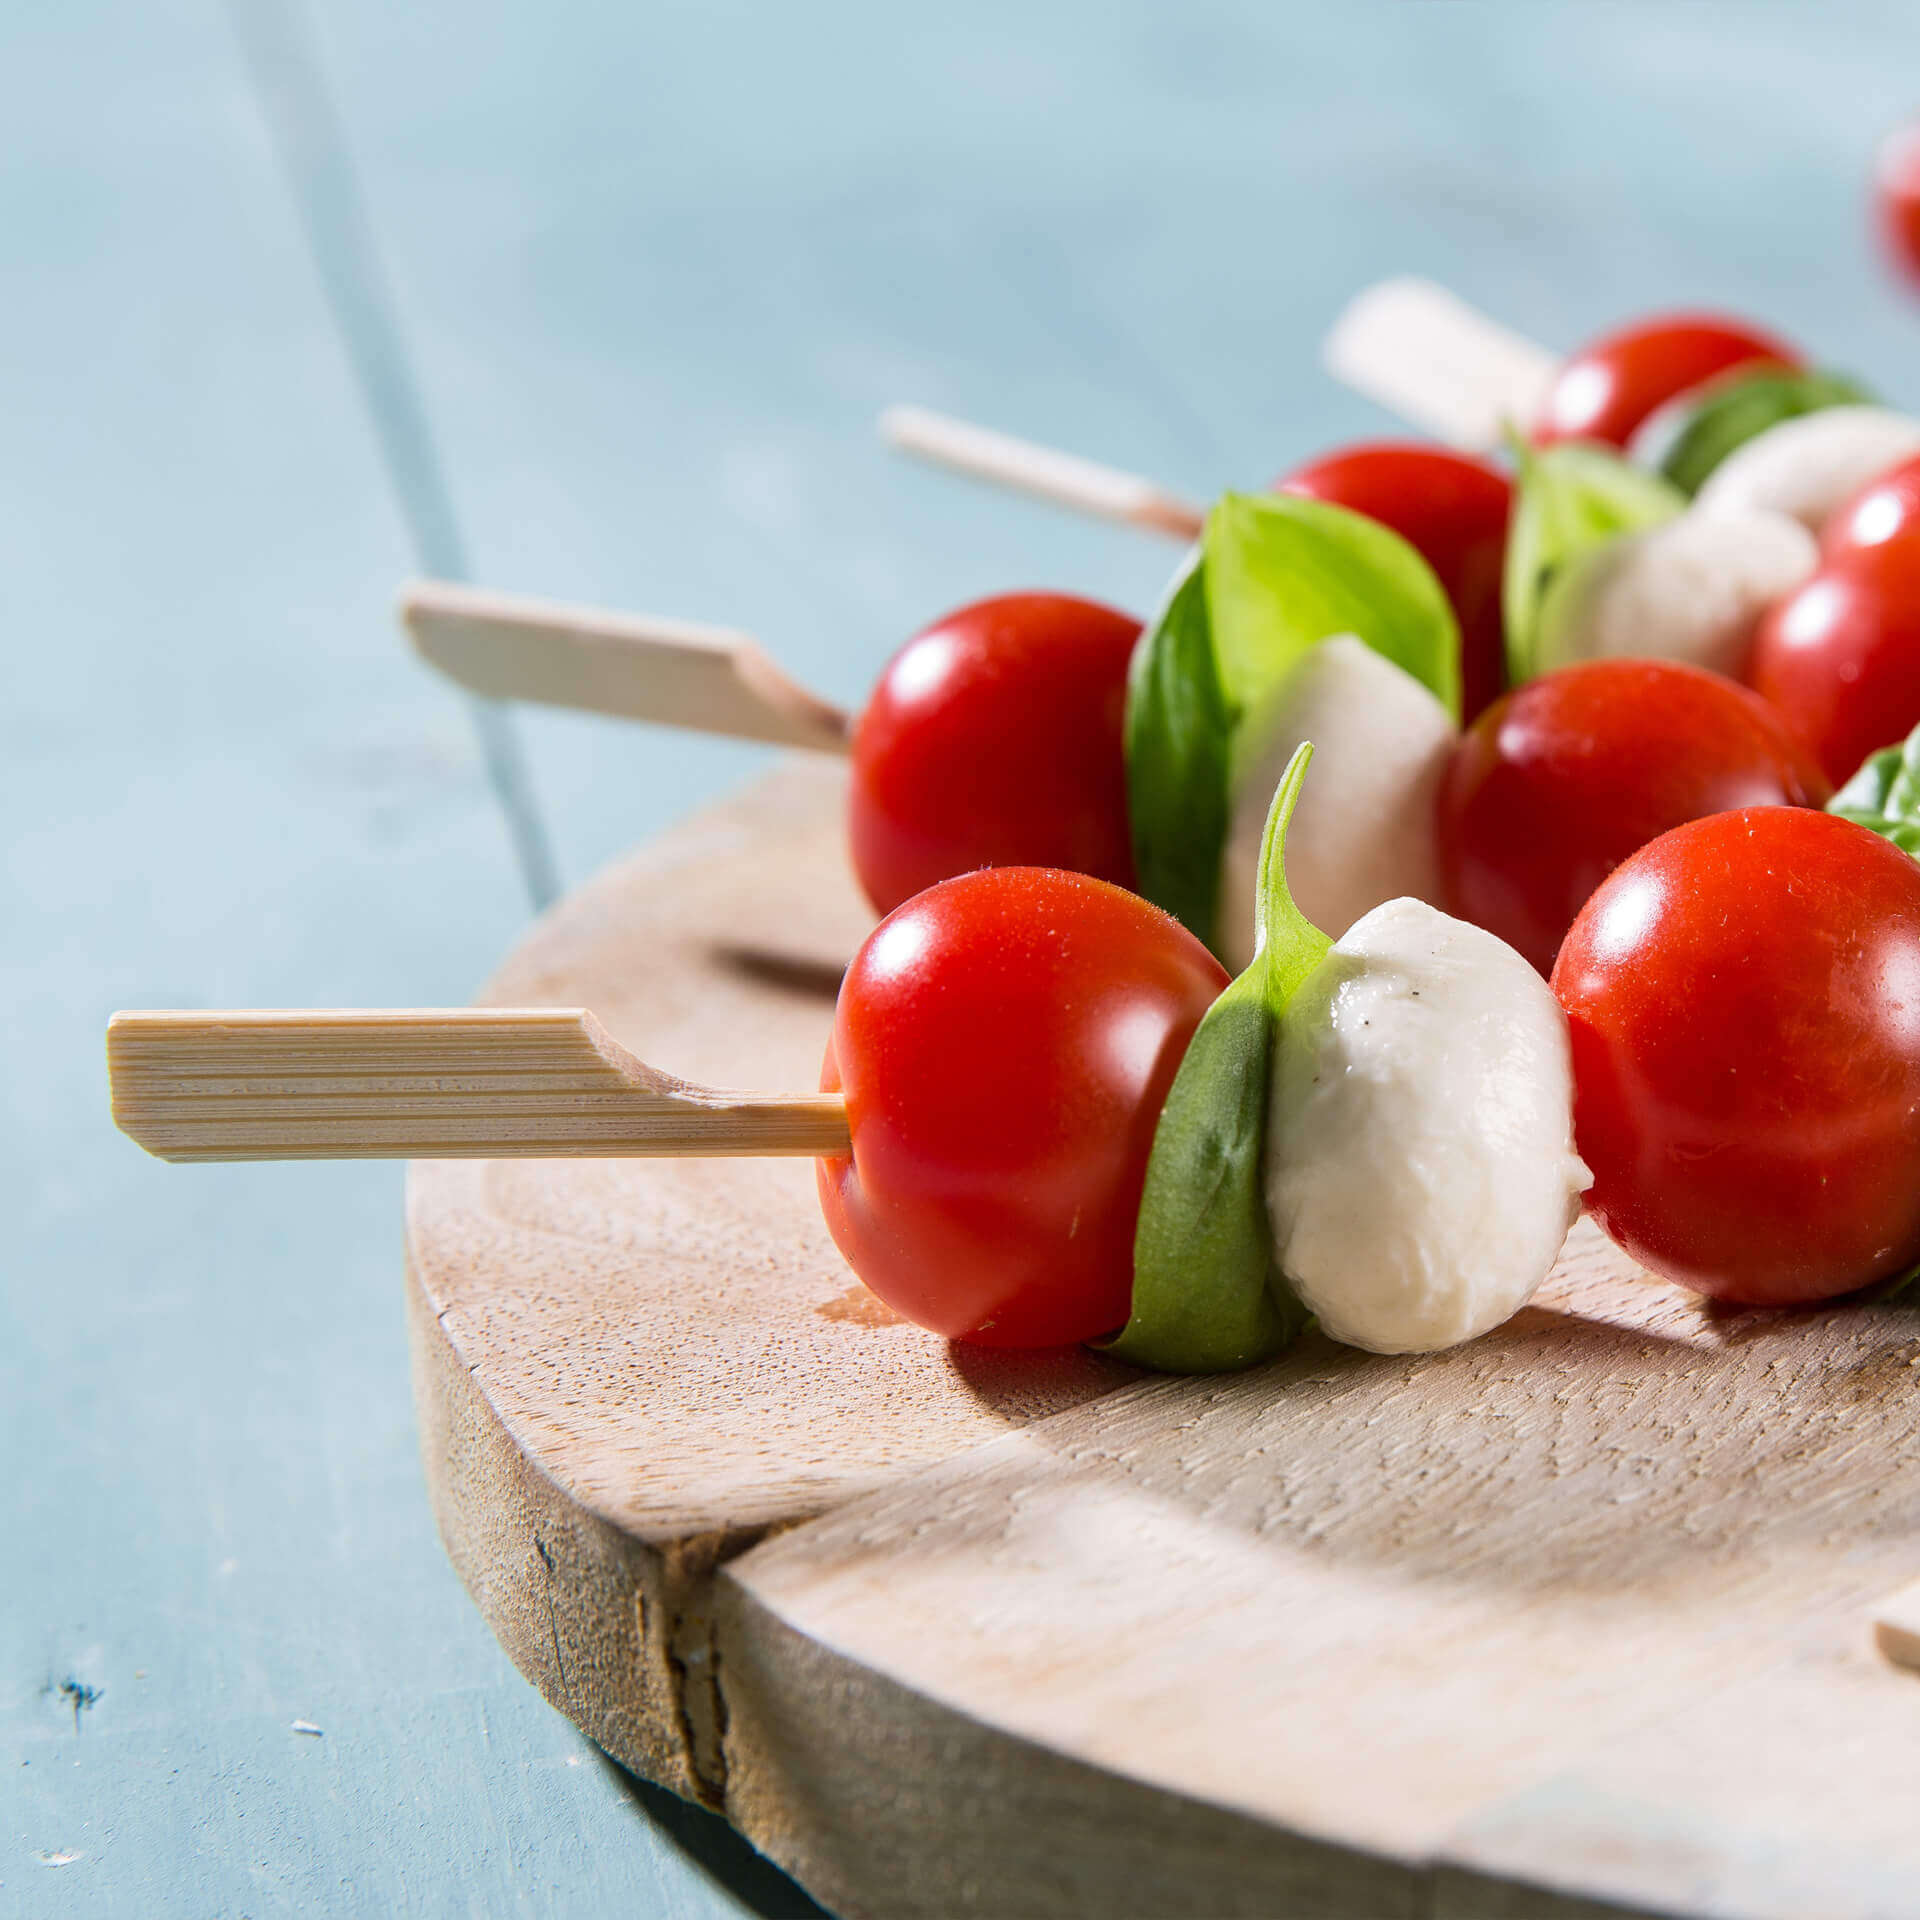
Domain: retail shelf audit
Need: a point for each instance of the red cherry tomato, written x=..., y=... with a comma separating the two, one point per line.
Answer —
x=1744, y=998
x=994, y=739
x=1453, y=511
x=1608, y=388
x=1005, y=1043
x=1887, y=508
x=1555, y=785
x=1840, y=655
x=1896, y=198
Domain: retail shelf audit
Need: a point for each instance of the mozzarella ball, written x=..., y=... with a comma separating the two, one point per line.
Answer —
x=1420, y=1166
x=1363, y=830
x=1693, y=590
x=1806, y=467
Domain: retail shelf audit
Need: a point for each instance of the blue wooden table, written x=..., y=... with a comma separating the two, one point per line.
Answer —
x=653, y=270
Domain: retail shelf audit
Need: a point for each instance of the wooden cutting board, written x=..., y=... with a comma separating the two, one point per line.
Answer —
x=1571, y=1620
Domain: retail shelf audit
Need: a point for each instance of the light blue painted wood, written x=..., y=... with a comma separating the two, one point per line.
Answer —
x=659, y=267
x=225, y=783
x=664, y=264
x=297, y=106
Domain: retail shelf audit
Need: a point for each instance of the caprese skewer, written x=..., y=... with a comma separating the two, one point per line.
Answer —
x=1046, y=1114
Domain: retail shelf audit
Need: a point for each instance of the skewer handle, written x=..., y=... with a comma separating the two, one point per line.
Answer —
x=636, y=666
x=1426, y=355
x=462, y=1083
x=1063, y=478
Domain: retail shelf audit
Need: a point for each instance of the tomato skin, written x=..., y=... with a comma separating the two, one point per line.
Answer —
x=1559, y=782
x=1840, y=655
x=1005, y=1043
x=1886, y=508
x=1453, y=511
x=994, y=739
x=1744, y=1000
x=1612, y=385
x=1896, y=199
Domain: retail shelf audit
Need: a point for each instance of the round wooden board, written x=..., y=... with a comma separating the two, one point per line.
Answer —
x=1576, y=1608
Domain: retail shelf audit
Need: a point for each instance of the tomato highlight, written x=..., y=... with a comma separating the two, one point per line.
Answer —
x=1556, y=784
x=1612, y=385
x=1839, y=657
x=1886, y=508
x=1744, y=1001
x=994, y=739
x=1004, y=1043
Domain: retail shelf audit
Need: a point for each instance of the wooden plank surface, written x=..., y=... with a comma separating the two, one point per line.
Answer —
x=223, y=778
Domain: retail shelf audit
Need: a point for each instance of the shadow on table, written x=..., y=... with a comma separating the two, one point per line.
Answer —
x=714, y=1847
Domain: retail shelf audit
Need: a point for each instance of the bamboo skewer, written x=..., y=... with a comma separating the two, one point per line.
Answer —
x=636, y=666
x=1064, y=478
x=1408, y=344
x=1423, y=353
x=461, y=1083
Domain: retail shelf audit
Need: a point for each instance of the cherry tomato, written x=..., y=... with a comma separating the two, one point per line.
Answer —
x=1608, y=388
x=1886, y=508
x=1554, y=786
x=1005, y=1043
x=1744, y=999
x=1453, y=511
x=1896, y=198
x=1840, y=655
x=994, y=739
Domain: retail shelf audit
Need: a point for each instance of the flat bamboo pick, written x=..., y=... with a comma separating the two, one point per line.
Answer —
x=1408, y=344
x=1064, y=478
x=1896, y=1627
x=1426, y=355
x=637, y=666
x=460, y=1083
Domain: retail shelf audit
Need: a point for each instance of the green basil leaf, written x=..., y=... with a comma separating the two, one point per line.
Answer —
x=1273, y=577
x=1738, y=408
x=1885, y=795
x=1208, y=1295
x=1284, y=573
x=1571, y=500
x=1179, y=731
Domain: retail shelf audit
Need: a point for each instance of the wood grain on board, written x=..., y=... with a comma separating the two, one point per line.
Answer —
x=1569, y=1620
x=677, y=1347
x=1582, y=1604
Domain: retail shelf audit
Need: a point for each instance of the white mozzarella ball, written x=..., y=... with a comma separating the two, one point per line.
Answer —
x=1808, y=466
x=1363, y=830
x=1420, y=1166
x=1693, y=589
